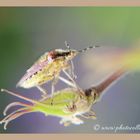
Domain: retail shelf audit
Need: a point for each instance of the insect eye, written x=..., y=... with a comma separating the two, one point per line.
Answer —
x=88, y=92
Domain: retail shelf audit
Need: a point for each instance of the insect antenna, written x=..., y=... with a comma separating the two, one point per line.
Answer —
x=15, y=114
x=88, y=48
x=13, y=105
x=22, y=97
x=67, y=45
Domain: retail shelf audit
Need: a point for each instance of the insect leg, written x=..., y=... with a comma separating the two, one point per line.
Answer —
x=67, y=74
x=71, y=79
x=54, y=81
x=53, y=88
x=70, y=108
x=65, y=122
x=74, y=85
x=71, y=69
x=84, y=116
x=67, y=82
x=72, y=119
x=76, y=120
x=74, y=76
x=43, y=91
x=89, y=115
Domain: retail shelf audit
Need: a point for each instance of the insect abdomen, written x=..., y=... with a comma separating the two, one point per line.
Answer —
x=42, y=76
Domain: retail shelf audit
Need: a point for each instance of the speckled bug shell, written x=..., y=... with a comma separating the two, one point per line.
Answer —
x=46, y=68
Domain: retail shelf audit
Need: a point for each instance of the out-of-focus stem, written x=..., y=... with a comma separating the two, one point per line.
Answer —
x=109, y=81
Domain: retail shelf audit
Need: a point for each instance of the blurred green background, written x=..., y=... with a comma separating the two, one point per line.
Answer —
x=26, y=33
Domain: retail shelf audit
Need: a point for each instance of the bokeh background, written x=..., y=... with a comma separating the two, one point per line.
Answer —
x=26, y=33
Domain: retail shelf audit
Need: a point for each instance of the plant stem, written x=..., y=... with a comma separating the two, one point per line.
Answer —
x=109, y=81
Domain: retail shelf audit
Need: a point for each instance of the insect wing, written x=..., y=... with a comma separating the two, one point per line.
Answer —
x=42, y=62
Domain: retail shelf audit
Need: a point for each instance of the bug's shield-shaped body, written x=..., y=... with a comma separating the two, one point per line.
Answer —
x=46, y=68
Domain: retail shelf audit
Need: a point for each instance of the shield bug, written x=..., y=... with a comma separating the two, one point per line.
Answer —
x=49, y=66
